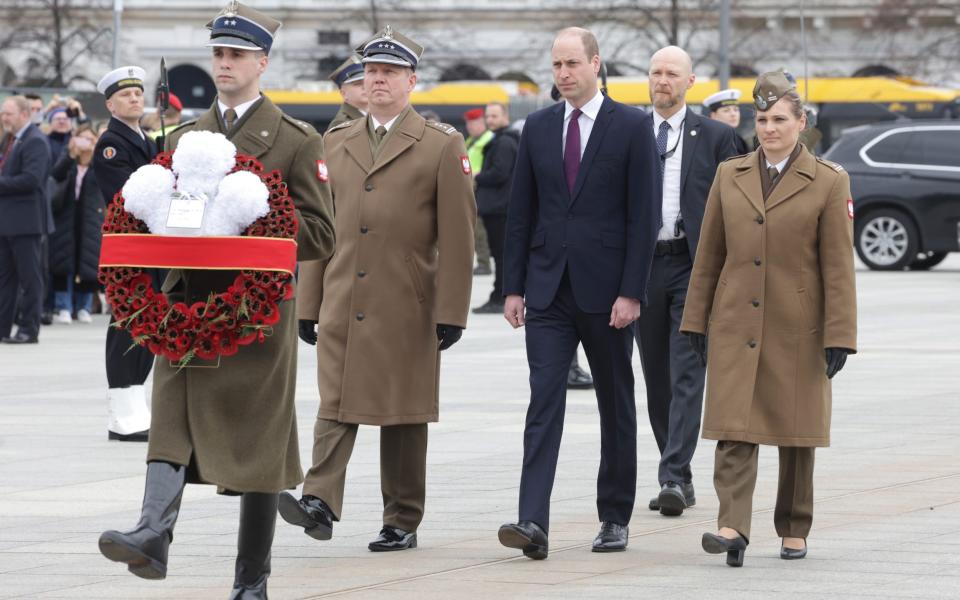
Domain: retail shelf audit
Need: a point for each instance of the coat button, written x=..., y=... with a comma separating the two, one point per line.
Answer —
x=757, y=261
x=751, y=343
x=361, y=273
x=369, y=187
x=755, y=303
x=760, y=220
x=363, y=229
x=360, y=316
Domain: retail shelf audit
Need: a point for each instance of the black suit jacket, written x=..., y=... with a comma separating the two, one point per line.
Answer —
x=706, y=144
x=23, y=185
x=604, y=232
x=119, y=152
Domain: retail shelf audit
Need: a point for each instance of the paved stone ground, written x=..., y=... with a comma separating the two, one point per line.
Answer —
x=887, y=519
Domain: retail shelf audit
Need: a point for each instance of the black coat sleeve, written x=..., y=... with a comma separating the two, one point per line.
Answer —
x=35, y=158
x=498, y=170
x=112, y=172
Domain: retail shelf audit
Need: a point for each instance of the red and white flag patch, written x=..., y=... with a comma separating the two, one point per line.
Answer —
x=322, y=173
x=850, y=207
x=465, y=164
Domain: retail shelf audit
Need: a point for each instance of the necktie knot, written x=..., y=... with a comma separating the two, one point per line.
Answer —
x=229, y=118
x=575, y=114
x=773, y=172
x=665, y=126
x=381, y=132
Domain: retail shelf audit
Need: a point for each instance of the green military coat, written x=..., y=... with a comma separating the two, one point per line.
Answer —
x=773, y=286
x=347, y=112
x=234, y=423
x=403, y=264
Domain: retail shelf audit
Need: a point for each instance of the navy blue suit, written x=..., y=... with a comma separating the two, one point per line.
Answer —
x=571, y=254
x=23, y=220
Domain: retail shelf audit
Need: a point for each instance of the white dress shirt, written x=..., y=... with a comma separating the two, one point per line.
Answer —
x=590, y=111
x=671, y=172
x=780, y=165
x=239, y=109
x=386, y=125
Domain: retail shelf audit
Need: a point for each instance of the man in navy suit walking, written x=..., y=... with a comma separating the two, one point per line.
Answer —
x=581, y=229
x=24, y=166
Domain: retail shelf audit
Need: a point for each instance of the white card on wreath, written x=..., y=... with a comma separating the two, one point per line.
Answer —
x=186, y=212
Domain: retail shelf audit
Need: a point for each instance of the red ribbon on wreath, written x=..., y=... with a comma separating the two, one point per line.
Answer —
x=223, y=322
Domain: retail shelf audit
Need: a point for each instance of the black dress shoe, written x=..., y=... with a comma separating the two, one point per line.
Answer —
x=578, y=379
x=671, y=500
x=793, y=553
x=689, y=496
x=717, y=544
x=490, y=308
x=137, y=436
x=46, y=318
x=527, y=536
x=309, y=512
x=20, y=338
x=392, y=538
x=612, y=537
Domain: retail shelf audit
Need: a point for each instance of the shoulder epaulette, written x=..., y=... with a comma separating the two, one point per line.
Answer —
x=735, y=157
x=835, y=166
x=299, y=125
x=184, y=125
x=447, y=129
x=343, y=125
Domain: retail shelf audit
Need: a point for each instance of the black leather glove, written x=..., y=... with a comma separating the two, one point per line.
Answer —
x=698, y=342
x=308, y=331
x=836, y=358
x=448, y=335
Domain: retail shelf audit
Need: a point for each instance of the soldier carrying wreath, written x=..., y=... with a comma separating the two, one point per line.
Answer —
x=229, y=421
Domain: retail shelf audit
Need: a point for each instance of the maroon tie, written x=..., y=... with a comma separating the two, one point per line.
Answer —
x=571, y=154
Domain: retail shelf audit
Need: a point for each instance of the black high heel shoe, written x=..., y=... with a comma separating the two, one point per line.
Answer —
x=735, y=548
x=793, y=553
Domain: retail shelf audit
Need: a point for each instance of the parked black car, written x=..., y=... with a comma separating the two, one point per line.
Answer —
x=905, y=182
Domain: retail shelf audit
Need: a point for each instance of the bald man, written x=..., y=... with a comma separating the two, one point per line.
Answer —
x=690, y=148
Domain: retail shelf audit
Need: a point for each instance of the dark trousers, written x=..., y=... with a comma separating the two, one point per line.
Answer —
x=496, y=226
x=21, y=268
x=673, y=375
x=403, y=469
x=552, y=336
x=735, y=477
x=129, y=364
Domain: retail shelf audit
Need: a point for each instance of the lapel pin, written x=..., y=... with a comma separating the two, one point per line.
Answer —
x=264, y=133
x=693, y=132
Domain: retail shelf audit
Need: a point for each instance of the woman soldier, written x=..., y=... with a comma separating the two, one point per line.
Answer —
x=773, y=289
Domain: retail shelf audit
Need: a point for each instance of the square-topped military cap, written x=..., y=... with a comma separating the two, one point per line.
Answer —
x=349, y=71
x=770, y=87
x=391, y=47
x=239, y=26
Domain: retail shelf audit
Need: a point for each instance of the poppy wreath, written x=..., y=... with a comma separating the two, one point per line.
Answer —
x=219, y=325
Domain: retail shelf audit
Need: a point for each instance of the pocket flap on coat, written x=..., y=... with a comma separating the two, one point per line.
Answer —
x=539, y=238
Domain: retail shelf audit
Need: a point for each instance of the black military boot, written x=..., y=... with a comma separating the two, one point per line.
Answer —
x=258, y=516
x=144, y=548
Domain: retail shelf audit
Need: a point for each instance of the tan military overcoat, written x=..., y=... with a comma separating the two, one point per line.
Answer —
x=236, y=423
x=772, y=287
x=347, y=112
x=403, y=264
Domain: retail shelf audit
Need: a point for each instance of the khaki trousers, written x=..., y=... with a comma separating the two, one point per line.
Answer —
x=403, y=469
x=481, y=245
x=735, y=477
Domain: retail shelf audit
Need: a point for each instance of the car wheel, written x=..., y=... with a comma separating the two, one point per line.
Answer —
x=927, y=260
x=886, y=240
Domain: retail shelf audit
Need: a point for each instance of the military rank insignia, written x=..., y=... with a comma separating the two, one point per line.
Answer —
x=322, y=173
x=109, y=152
x=465, y=164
